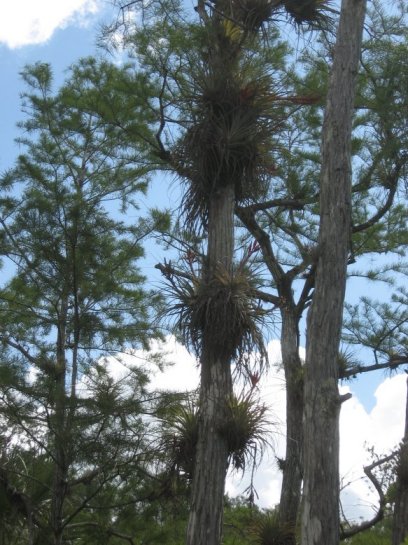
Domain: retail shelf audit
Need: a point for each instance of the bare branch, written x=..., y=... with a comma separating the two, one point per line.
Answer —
x=247, y=217
x=294, y=204
x=392, y=184
x=267, y=297
x=168, y=271
x=393, y=363
x=163, y=153
x=368, y=470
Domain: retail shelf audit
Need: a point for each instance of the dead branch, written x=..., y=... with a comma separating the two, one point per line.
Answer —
x=368, y=470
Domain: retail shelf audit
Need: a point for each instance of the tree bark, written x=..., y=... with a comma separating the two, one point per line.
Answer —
x=400, y=519
x=291, y=313
x=207, y=496
x=320, y=509
x=221, y=230
x=292, y=469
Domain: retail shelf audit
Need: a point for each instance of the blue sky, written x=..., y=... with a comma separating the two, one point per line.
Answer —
x=60, y=32
x=62, y=38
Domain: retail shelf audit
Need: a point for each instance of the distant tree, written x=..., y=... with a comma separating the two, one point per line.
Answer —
x=74, y=296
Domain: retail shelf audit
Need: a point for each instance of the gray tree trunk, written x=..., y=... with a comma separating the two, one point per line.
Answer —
x=292, y=470
x=320, y=509
x=207, y=496
x=400, y=519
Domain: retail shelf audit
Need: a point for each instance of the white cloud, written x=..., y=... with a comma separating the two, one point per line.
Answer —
x=117, y=39
x=29, y=22
x=381, y=428
x=182, y=372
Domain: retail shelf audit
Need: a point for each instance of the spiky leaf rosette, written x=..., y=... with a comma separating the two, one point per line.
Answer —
x=268, y=530
x=222, y=309
x=251, y=15
x=230, y=142
x=180, y=438
x=349, y=365
x=313, y=13
x=247, y=430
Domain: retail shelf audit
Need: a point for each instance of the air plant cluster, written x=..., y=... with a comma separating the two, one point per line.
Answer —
x=314, y=13
x=348, y=364
x=179, y=440
x=247, y=429
x=250, y=15
x=229, y=142
x=235, y=116
x=253, y=14
x=268, y=530
x=222, y=309
x=232, y=118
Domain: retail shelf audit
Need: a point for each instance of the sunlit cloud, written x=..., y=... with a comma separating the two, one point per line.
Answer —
x=360, y=429
x=382, y=429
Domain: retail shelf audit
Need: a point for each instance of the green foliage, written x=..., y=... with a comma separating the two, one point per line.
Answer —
x=239, y=518
x=75, y=298
x=381, y=327
x=379, y=535
x=247, y=430
x=268, y=530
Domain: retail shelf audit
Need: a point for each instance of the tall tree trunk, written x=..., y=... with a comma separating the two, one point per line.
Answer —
x=59, y=484
x=400, y=519
x=290, y=313
x=292, y=469
x=207, y=496
x=320, y=510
